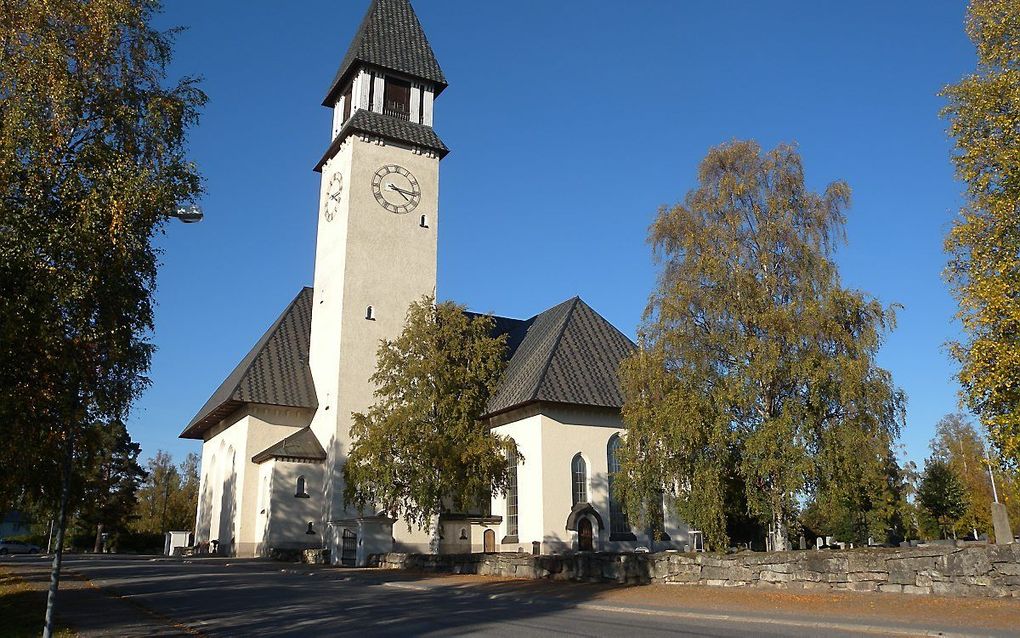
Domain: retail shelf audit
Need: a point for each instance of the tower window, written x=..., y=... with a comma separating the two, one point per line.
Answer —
x=370, y=313
x=424, y=221
x=300, y=492
x=397, y=98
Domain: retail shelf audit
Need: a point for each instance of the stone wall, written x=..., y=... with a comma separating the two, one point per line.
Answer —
x=990, y=570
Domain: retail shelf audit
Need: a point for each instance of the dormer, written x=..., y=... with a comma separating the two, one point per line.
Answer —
x=389, y=69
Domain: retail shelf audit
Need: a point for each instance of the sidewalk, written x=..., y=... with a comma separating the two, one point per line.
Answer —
x=94, y=613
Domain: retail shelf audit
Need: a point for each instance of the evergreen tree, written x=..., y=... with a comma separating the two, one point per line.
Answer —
x=984, y=242
x=421, y=447
x=169, y=497
x=943, y=495
x=109, y=483
x=753, y=357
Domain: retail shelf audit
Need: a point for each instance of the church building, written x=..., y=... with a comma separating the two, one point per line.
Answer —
x=275, y=433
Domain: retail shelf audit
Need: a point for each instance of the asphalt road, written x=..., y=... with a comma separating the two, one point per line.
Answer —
x=249, y=598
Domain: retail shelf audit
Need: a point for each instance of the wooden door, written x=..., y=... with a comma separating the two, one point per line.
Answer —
x=489, y=541
x=585, y=540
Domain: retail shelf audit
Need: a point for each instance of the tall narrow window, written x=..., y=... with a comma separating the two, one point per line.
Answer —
x=618, y=523
x=512, y=526
x=579, y=473
x=370, y=313
x=300, y=492
x=397, y=98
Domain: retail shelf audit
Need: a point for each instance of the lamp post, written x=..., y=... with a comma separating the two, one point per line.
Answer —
x=189, y=214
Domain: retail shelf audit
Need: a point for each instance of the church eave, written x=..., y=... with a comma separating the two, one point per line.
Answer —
x=388, y=128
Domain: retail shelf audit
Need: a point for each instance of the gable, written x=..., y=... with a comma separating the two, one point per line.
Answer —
x=567, y=354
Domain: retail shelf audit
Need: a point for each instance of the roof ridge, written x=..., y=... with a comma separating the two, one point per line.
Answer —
x=555, y=346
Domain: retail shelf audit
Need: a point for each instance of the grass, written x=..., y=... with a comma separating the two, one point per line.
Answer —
x=22, y=609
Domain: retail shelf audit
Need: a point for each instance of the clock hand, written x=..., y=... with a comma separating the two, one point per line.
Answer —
x=403, y=193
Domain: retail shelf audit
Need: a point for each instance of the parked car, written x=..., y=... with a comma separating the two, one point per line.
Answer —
x=10, y=546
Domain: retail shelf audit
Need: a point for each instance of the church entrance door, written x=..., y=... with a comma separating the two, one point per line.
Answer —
x=489, y=541
x=584, y=535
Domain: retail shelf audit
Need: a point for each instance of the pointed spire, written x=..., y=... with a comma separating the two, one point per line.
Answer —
x=390, y=36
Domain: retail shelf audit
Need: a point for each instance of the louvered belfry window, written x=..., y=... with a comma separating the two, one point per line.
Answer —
x=397, y=98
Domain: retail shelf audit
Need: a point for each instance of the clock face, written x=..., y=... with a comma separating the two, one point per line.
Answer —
x=396, y=189
x=333, y=193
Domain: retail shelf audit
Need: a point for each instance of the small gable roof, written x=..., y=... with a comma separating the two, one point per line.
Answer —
x=567, y=354
x=274, y=372
x=391, y=37
x=302, y=445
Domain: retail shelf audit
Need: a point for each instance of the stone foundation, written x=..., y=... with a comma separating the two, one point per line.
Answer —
x=991, y=570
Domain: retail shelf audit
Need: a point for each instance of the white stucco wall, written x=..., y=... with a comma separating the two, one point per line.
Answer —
x=366, y=256
x=527, y=434
x=287, y=513
x=229, y=486
x=549, y=441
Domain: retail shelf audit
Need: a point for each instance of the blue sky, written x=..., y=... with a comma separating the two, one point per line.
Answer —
x=570, y=124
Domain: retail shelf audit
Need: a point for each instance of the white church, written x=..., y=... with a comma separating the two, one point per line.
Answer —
x=276, y=432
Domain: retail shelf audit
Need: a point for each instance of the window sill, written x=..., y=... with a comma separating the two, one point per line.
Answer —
x=302, y=496
x=509, y=540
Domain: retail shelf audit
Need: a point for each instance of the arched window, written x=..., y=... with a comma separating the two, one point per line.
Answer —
x=300, y=493
x=512, y=525
x=618, y=523
x=579, y=474
x=424, y=221
x=370, y=313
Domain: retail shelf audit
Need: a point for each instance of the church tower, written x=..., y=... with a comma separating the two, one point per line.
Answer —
x=378, y=216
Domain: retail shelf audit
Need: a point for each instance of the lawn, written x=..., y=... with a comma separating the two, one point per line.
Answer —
x=22, y=609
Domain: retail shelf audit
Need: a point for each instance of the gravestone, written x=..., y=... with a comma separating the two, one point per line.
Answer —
x=803, y=542
x=1000, y=523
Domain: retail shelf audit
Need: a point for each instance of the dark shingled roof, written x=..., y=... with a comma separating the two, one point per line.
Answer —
x=303, y=445
x=391, y=37
x=392, y=128
x=567, y=354
x=274, y=372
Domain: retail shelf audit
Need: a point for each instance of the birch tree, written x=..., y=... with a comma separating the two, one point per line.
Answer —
x=984, y=242
x=753, y=358
x=92, y=164
x=421, y=447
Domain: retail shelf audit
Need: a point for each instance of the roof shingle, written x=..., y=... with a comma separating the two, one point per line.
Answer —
x=385, y=126
x=391, y=37
x=274, y=372
x=303, y=445
x=567, y=354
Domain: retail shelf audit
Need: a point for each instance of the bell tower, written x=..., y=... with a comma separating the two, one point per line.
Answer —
x=378, y=217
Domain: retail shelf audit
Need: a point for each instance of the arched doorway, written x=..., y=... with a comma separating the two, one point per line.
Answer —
x=584, y=535
x=489, y=541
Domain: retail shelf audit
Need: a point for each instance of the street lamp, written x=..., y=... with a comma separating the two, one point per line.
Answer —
x=189, y=214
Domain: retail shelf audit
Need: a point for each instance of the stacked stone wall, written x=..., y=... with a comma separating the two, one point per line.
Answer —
x=990, y=570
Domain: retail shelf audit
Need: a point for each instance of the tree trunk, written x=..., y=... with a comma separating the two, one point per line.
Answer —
x=98, y=546
x=58, y=556
x=777, y=531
